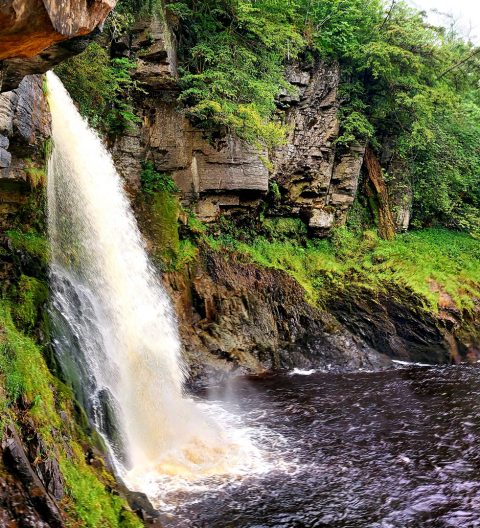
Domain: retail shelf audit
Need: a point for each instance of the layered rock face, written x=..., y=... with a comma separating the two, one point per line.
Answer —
x=214, y=176
x=31, y=26
x=236, y=316
x=31, y=30
x=319, y=180
x=24, y=131
x=225, y=175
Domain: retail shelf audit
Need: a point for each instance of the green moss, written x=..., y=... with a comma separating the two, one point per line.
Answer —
x=93, y=504
x=284, y=229
x=24, y=373
x=31, y=295
x=37, y=176
x=24, y=370
x=30, y=242
x=429, y=260
x=195, y=226
x=165, y=210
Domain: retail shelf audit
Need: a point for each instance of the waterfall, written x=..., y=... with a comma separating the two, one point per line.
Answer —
x=115, y=332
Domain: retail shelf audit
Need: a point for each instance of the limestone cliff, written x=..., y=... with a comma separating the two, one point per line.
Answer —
x=231, y=315
x=24, y=132
x=224, y=175
x=319, y=181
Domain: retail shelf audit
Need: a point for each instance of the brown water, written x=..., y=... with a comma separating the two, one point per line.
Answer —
x=393, y=449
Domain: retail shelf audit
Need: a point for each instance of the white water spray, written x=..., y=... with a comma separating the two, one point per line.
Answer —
x=117, y=337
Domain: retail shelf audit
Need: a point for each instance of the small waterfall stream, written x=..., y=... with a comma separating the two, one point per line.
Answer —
x=116, y=334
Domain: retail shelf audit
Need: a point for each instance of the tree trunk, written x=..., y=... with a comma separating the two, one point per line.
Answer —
x=377, y=190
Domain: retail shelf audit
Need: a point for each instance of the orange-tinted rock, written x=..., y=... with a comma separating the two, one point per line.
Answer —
x=27, y=27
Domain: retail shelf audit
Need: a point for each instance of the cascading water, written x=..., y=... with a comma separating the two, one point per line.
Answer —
x=116, y=333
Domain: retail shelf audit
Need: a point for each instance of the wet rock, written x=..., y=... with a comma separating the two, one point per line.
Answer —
x=236, y=316
x=107, y=411
x=141, y=505
x=16, y=460
x=394, y=321
x=46, y=468
x=24, y=128
x=36, y=35
x=12, y=71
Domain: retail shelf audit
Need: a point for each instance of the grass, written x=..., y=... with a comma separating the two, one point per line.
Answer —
x=94, y=506
x=31, y=295
x=24, y=371
x=429, y=262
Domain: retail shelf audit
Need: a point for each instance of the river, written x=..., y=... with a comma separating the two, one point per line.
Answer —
x=387, y=449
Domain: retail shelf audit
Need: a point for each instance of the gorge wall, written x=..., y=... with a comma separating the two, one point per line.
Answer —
x=234, y=316
x=225, y=175
x=223, y=323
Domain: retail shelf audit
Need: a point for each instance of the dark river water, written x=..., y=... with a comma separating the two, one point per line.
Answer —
x=392, y=449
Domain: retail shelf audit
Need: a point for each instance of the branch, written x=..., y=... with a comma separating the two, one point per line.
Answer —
x=476, y=51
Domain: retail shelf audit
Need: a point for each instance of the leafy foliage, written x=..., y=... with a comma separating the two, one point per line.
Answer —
x=102, y=87
x=233, y=55
x=153, y=181
x=408, y=87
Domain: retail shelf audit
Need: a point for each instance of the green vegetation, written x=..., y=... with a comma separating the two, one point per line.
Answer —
x=407, y=86
x=32, y=294
x=24, y=373
x=233, y=55
x=162, y=212
x=409, y=90
x=429, y=262
x=153, y=181
x=24, y=370
x=102, y=87
x=31, y=394
x=30, y=242
x=93, y=504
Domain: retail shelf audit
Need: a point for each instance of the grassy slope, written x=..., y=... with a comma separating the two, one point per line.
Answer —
x=429, y=261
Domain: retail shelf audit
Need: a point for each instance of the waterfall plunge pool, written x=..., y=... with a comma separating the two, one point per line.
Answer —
x=393, y=449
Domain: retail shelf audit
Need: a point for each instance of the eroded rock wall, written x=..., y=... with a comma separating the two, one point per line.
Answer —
x=225, y=175
x=24, y=133
x=213, y=175
x=30, y=26
x=236, y=316
x=318, y=180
